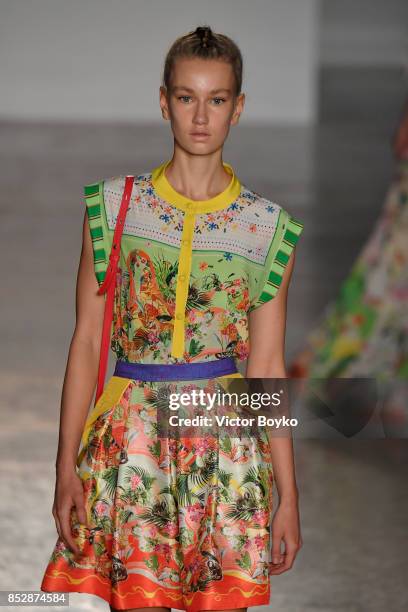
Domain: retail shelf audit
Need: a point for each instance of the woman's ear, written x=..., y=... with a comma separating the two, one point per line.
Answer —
x=239, y=107
x=164, y=105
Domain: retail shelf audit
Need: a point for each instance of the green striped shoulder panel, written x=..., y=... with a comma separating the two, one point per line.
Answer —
x=290, y=237
x=94, y=203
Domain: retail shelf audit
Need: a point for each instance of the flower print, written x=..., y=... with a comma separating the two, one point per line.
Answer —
x=270, y=208
x=261, y=517
x=171, y=529
x=252, y=228
x=251, y=196
x=231, y=331
x=212, y=226
x=165, y=218
x=202, y=446
x=100, y=508
x=163, y=549
x=196, y=511
x=194, y=565
x=203, y=265
x=247, y=544
x=237, y=281
x=189, y=332
x=153, y=338
x=242, y=526
x=135, y=481
x=259, y=542
x=153, y=531
x=227, y=256
x=60, y=547
x=242, y=350
x=188, y=388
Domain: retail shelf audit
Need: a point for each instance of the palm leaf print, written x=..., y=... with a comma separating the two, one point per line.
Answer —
x=258, y=476
x=197, y=299
x=166, y=272
x=201, y=476
x=158, y=514
x=110, y=476
x=244, y=507
x=147, y=480
x=159, y=397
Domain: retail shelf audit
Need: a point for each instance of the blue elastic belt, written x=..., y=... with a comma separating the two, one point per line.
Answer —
x=176, y=371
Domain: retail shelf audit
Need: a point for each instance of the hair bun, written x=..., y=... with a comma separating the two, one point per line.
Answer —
x=205, y=34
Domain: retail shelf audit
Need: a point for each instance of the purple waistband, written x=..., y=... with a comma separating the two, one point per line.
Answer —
x=176, y=371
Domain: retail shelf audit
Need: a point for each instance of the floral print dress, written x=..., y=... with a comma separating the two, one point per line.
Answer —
x=363, y=332
x=178, y=522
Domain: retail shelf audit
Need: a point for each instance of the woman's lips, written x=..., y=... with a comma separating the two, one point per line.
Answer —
x=199, y=135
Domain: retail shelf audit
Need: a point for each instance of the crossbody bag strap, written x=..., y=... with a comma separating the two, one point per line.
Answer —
x=108, y=286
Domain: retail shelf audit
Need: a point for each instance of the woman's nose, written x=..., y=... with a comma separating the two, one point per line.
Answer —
x=200, y=115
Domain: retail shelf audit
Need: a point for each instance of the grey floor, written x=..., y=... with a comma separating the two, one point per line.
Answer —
x=353, y=493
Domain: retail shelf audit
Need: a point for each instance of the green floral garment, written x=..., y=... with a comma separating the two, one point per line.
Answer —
x=182, y=523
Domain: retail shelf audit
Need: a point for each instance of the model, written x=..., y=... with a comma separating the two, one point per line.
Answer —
x=363, y=332
x=146, y=521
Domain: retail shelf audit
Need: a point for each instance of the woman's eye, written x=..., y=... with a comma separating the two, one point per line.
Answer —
x=219, y=101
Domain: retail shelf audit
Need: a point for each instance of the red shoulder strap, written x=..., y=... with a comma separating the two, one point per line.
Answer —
x=108, y=285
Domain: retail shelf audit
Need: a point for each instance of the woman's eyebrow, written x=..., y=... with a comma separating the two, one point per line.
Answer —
x=213, y=91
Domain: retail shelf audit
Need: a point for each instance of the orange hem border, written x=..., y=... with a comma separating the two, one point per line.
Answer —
x=234, y=597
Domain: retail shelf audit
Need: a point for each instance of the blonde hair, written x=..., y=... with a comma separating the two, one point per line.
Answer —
x=204, y=43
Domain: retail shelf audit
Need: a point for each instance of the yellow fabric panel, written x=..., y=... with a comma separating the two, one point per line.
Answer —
x=111, y=396
x=183, y=278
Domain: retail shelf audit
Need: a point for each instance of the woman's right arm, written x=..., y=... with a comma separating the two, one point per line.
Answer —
x=77, y=391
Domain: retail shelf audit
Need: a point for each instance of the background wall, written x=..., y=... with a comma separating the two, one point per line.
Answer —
x=364, y=33
x=80, y=60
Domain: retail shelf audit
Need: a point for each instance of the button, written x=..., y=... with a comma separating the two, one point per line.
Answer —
x=185, y=242
x=182, y=277
x=188, y=205
x=179, y=316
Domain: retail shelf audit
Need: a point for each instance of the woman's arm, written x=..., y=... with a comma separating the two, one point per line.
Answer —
x=78, y=387
x=267, y=326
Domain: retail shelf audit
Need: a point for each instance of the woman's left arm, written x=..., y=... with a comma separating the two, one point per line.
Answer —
x=267, y=326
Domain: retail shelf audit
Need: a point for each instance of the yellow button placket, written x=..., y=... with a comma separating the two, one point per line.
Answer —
x=182, y=283
x=165, y=190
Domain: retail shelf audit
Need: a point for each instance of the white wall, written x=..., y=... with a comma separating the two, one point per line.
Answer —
x=364, y=33
x=102, y=59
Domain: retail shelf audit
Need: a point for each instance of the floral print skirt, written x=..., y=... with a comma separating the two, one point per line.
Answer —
x=180, y=522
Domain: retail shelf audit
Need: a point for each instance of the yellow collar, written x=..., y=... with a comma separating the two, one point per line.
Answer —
x=220, y=201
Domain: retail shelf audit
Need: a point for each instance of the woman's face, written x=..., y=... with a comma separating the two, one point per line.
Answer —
x=201, y=101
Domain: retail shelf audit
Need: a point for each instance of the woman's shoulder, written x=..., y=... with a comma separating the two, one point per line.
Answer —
x=109, y=190
x=265, y=215
x=116, y=182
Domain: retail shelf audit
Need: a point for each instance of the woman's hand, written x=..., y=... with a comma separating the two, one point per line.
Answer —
x=68, y=493
x=286, y=527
